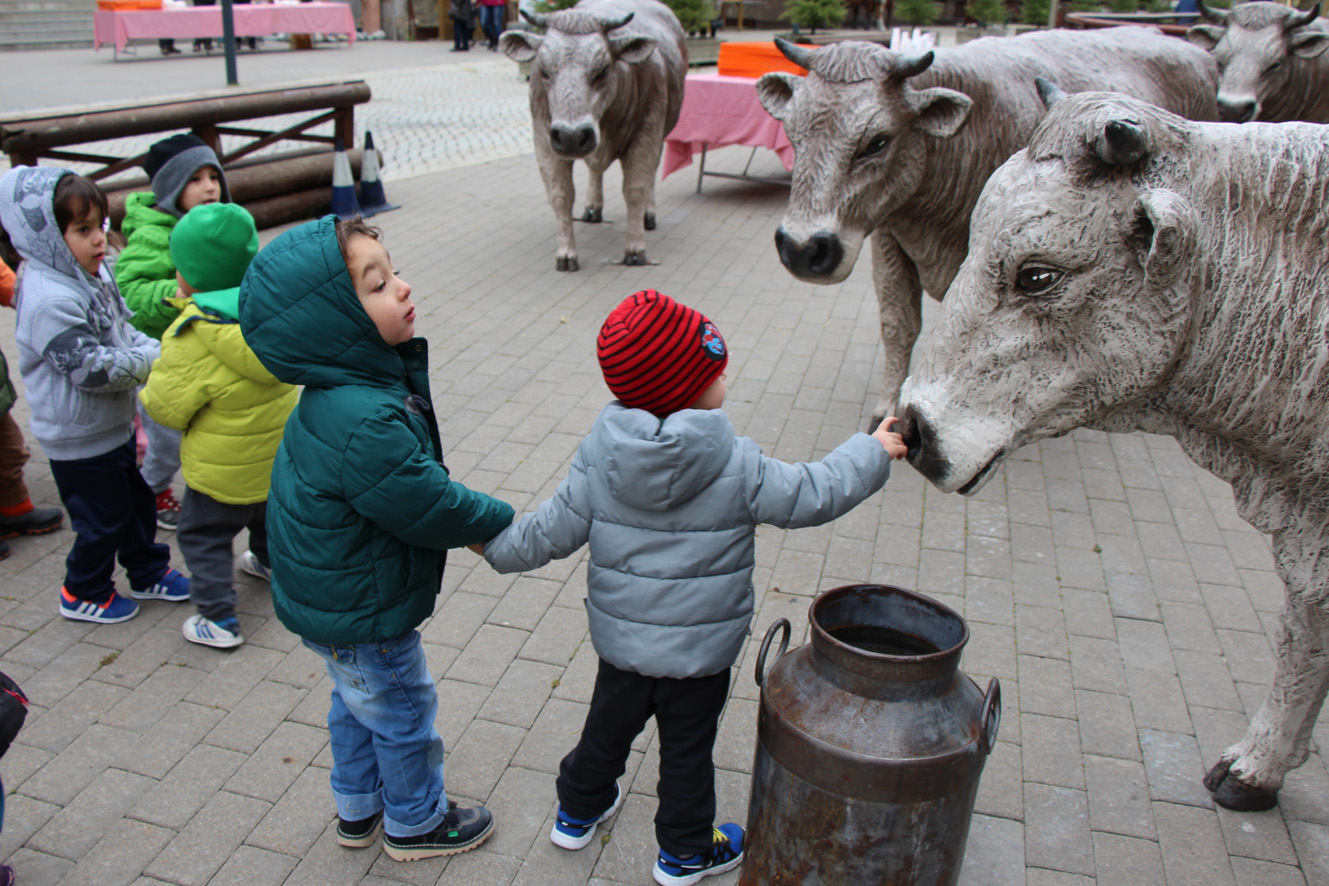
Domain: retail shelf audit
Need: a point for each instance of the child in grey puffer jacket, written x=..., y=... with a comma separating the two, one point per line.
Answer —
x=669, y=499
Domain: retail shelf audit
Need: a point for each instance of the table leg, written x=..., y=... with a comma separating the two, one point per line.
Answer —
x=701, y=169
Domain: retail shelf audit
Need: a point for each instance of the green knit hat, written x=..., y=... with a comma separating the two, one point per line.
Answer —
x=213, y=244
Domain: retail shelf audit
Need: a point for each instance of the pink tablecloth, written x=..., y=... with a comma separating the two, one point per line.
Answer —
x=251, y=20
x=719, y=111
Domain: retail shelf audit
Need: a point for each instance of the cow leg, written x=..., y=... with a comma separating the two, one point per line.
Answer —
x=557, y=175
x=900, y=308
x=639, y=165
x=595, y=195
x=1249, y=774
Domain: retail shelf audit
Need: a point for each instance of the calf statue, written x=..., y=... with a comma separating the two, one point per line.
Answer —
x=1134, y=271
x=1271, y=61
x=898, y=147
x=606, y=85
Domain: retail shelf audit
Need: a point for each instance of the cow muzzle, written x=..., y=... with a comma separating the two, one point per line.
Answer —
x=1242, y=110
x=815, y=260
x=572, y=140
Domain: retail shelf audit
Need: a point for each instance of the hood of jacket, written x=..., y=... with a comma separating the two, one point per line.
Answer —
x=141, y=212
x=657, y=465
x=301, y=316
x=27, y=210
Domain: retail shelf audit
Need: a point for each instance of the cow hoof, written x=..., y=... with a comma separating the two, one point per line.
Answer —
x=634, y=258
x=650, y=221
x=1230, y=793
x=568, y=263
x=593, y=216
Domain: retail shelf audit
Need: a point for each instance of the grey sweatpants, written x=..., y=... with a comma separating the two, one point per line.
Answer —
x=162, y=459
x=207, y=528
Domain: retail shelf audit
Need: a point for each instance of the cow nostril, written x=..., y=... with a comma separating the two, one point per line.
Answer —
x=824, y=253
x=781, y=240
x=908, y=430
x=585, y=139
x=1238, y=111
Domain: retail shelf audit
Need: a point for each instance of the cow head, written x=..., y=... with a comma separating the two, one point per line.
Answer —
x=1256, y=46
x=1073, y=303
x=577, y=69
x=860, y=134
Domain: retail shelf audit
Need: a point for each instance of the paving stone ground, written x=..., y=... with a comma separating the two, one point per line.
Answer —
x=1106, y=581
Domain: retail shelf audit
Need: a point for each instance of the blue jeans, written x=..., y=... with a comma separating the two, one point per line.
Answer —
x=386, y=753
x=491, y=21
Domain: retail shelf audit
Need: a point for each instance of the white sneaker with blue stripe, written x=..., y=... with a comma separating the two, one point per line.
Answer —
x=206, y=632
x=251, y=564
x=726, y=853
x=577, y=833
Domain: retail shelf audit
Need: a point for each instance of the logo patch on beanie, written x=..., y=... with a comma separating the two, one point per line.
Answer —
x=711, y=342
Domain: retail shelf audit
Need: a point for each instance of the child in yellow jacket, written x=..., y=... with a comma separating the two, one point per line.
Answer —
x=209, y=385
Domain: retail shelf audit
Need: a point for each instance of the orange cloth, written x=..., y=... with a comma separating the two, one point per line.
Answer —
x=6, y=285
x=753, y=60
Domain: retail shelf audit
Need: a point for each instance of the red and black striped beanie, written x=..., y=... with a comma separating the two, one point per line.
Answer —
x=657, y=354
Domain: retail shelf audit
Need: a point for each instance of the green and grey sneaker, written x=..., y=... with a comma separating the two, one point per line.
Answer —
x=463, y=828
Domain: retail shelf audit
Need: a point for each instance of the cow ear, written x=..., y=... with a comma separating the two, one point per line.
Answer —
x=941, y=112
x=1309, y=44
x=1164, y=235
x=519, y=45
x=775, y=90
x=1206, y=36
x=632, y=50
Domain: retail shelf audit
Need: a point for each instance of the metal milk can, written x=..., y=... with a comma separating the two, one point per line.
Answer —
x=870, y=744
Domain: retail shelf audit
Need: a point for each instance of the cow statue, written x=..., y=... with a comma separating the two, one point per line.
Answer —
x=1134, y=271
x=898, y=147
x=1271, y=61
x=606, y=85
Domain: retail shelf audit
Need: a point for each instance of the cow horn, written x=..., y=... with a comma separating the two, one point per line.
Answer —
x=1122, y=143
x=1049, y=92
x=535, y=18
x=1218, y=16
x=609, y=24
x=1300, y=20
x=795, y=53
x=912, y=65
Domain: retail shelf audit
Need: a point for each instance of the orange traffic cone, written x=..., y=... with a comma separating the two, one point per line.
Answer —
x=372, y=198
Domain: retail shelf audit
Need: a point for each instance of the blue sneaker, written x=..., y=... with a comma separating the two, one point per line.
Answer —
x=726, y=853
x=577, y=833
x=172, y=587
x=113, y=611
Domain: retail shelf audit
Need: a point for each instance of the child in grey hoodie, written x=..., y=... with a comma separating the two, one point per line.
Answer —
x=669, y=499
x=81, y=362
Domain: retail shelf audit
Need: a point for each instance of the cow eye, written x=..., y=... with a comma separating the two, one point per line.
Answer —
x=600, y=75
x=544, y=74
x=1035, y=280
x=875, y=147
x=1274, y=67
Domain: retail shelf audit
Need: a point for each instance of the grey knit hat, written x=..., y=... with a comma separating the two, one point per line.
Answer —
x=170, y=164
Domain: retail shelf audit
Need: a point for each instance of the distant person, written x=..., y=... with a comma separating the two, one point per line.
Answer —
x=81, y=363
x=204, y=44
x=669, y=499
x=184, y=173
x=492, y=13
x=361, y=514
x=18, y=515
x=231, y=411
x=462, y=13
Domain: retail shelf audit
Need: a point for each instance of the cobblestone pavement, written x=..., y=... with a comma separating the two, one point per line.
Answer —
x=1106, y=581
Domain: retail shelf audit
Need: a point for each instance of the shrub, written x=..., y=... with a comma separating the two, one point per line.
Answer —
x=917, y=12
x=1035, y=12
x=693, y=15
x=813, y=14
x=987, y=12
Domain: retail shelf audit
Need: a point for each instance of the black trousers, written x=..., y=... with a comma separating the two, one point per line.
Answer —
x=113, y=513
x=687, y=712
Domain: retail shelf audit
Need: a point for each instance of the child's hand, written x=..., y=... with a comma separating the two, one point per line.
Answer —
x=478, y=547
x=891, y=440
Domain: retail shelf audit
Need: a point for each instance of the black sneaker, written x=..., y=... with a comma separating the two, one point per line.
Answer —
x=462, y=828
x=359, y=834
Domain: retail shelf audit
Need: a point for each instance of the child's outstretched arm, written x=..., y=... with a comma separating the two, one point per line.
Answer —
x=809, y=494
x=391, y=479
x=560, y=526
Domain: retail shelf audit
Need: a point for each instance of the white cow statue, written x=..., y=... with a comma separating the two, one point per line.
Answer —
x=606, y=85
x=1132, y=270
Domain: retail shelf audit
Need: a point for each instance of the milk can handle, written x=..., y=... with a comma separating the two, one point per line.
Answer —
x=991, y=716
x=780, y=623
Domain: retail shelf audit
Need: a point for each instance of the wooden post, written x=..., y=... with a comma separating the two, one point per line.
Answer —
x=371, y=18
